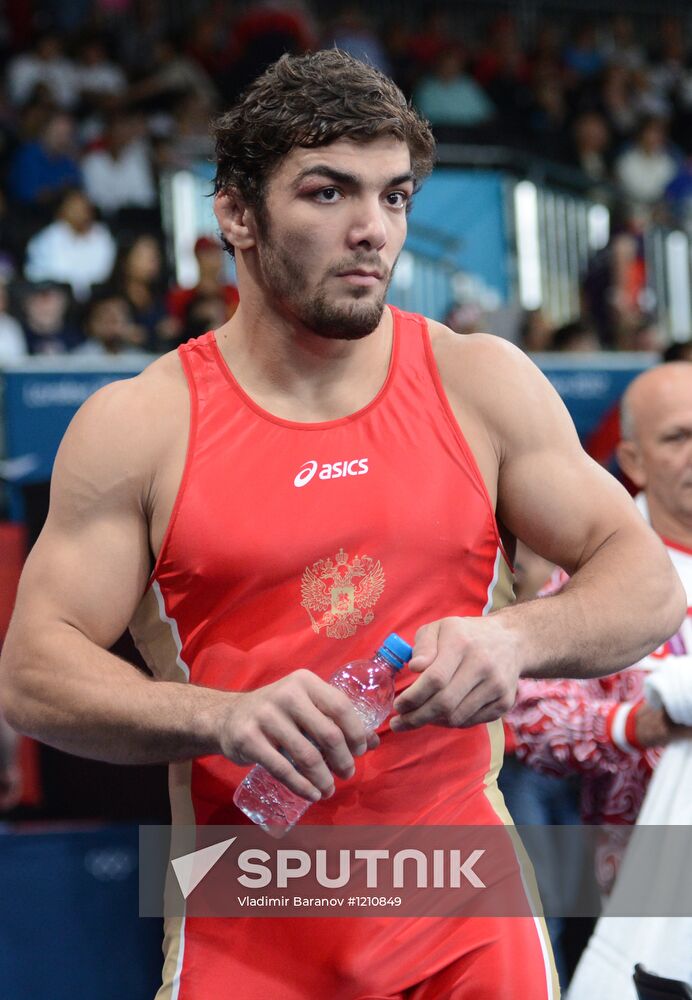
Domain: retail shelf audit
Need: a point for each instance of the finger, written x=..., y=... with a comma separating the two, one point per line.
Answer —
x=305, y=756
x=337, y=706
x=425, y=647
x=283, y=770
x=434, y=680
x=488, y=713
x=373, y=741
x=481, y=704
x=441, y=706
x=324, y=732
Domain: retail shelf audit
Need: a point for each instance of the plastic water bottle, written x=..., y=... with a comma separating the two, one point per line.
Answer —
x=370, y=686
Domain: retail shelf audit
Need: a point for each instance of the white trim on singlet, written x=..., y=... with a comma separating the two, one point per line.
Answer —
x=175, y=985
x=541, y=931
x=172, y=623
x=493, y=583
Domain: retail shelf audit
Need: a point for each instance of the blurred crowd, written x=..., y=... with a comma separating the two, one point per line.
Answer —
x=100, y=97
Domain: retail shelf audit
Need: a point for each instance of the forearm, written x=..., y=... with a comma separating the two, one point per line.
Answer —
x=63, y=689
x=616, y=608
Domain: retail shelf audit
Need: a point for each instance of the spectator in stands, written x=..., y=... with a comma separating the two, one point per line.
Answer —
x=173, y=75
x=260, y=35
x=139, y=277
x=449, y=96
x=615, y=288
x=646, y=335
x=591, y=143
x=616, y=103
x=75, y=248
x=206, y=41
x=119, y=174
x=649, y=101
x=187, y=139
x=12, y=341
x=109, y=326
x=546, y=116
x=206, y=311
x=619, y=45
x=544, y=56
x=101, y=82
x=668, y=73
x=502, y=69
x=582, y=57
x=352, y=32
x=534, y=331
x=465, y=318
x=41, y=169
x=137, y=34
x=44, y=65
x=46, y=319
x=211, y=260
x=678, y=351
x=678, y=196
x=648, y=166
x=577, y=336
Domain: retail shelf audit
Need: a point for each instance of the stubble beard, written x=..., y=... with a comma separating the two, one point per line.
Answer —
x=334, y=320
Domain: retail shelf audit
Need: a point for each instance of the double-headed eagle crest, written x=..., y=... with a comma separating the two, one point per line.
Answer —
x=337, y=595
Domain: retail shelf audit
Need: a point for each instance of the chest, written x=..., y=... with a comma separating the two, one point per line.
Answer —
x=258, y=476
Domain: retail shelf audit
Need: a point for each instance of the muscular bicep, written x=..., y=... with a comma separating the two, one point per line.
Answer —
x=550, y=493
x=90, y=564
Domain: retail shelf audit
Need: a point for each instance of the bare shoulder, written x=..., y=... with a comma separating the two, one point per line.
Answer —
x=476, y=361
x=124, y=431
x=497, y=383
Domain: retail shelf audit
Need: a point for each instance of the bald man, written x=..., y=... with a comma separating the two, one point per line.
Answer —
x=602, y=728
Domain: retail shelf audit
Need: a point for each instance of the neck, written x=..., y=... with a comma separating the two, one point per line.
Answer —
x=296, y=374
x=665, y=524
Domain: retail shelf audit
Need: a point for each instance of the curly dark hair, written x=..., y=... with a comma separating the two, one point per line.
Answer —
x=310, y=101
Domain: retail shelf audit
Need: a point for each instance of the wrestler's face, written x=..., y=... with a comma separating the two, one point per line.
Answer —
x=333, y=224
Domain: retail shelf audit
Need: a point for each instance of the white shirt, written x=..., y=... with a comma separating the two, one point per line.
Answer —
x=113, y=184
x=58, y=253
x=59, y=75
x=105, y=78
x=645, y=177
x=12, y=342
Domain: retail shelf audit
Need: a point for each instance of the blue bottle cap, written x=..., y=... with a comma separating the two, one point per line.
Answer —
x=400, y=649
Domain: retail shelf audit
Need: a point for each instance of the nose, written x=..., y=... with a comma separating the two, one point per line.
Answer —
x=368, y=229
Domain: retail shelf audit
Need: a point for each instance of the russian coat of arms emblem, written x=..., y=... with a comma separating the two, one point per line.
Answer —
x=339, y=595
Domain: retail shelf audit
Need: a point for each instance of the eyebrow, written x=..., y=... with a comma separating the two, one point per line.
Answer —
x=343, y=177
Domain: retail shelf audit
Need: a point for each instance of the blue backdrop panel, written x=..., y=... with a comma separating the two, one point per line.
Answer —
x=37, y=406
x=591, y=387
x=459, y=215
x=69, y=924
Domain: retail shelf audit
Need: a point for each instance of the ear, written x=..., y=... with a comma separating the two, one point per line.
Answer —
x=236, y=221
x=630, y=461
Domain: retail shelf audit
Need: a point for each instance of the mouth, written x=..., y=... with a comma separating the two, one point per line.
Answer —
x=361, y=276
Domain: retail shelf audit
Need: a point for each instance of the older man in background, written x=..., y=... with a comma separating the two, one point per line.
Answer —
x=603, y=728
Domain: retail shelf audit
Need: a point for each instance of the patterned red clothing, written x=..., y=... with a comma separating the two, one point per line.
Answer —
x=567, y=726
x=562, y=727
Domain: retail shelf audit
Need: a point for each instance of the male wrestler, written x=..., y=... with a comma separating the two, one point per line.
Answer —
x=316, y=472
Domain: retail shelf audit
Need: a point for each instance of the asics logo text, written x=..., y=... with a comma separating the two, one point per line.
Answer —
x=330, y=470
